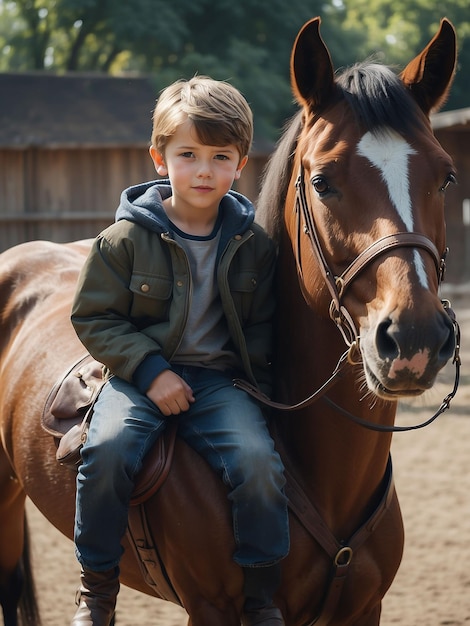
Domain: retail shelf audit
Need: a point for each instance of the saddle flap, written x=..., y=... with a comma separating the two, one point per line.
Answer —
x=71, y=396
x=77, y=391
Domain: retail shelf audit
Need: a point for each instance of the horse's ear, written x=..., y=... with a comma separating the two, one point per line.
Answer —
x=429, y=75
x=311, y=69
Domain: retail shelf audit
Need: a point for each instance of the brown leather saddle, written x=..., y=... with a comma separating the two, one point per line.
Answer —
x=66, y=416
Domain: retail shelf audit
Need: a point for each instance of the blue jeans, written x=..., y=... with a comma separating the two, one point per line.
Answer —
x=225, y=426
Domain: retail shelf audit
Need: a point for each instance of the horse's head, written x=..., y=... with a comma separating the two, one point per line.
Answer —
x=364, y=206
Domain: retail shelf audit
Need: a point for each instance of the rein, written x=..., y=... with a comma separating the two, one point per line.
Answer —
x=337, y=286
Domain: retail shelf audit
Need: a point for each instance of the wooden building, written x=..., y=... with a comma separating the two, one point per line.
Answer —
x=452, y=129
x=70, y=144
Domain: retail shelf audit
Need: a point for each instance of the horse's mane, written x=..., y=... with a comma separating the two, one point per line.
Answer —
x=276, y=179
x=378, y=100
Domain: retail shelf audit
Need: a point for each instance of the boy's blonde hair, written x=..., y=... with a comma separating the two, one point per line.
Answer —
x=220, y=114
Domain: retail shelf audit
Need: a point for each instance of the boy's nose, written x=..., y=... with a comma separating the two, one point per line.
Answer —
x=204, y=169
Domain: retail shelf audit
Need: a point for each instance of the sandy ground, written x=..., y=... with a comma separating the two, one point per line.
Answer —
x=432, y=473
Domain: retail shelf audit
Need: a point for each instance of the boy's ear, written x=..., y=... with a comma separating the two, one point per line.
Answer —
x=158, y=161
x=241, y=165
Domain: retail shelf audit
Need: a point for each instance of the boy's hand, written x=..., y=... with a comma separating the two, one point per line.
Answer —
x=170, y=393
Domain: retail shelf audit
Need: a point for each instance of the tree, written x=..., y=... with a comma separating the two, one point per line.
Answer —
x=247, y=42
x=399, y=29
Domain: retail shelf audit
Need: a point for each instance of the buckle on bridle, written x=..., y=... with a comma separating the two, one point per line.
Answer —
x=442, y=265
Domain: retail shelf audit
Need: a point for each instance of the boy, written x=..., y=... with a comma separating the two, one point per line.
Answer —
x=175, y=300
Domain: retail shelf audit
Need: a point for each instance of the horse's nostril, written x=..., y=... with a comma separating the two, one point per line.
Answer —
x=448, y=345
x=394, y=340
x=386, y=345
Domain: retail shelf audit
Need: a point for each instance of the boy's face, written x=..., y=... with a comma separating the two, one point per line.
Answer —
x=200, y=175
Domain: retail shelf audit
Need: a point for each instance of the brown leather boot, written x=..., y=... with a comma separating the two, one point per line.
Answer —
x=260, y=586
x=96, y=598
x=266, y=616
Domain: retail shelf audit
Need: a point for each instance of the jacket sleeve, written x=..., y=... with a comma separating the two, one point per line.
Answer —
x=101, y=312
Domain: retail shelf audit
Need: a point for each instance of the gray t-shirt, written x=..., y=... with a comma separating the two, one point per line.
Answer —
x=206, y=335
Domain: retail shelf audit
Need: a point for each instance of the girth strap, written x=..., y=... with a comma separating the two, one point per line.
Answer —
x=139, y=532
x=341, y=554
x=147, y=555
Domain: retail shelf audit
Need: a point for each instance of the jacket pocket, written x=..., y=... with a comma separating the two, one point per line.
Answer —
x=243, y=285
x=151, y=296
x=245, y=281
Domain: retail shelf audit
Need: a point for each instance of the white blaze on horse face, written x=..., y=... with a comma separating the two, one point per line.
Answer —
x=389, y=153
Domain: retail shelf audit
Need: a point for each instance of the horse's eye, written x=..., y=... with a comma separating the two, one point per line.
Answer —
x=320, y=184
x=451, y=179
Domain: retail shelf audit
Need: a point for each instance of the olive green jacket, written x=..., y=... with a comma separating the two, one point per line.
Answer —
x=134, y=291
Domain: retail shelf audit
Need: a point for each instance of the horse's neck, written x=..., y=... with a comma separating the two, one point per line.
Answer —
x=339, y=463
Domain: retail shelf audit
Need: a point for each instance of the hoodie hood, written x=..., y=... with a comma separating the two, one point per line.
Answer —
x=143, y=204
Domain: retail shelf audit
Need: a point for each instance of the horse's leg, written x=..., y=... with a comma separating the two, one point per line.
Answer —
x=372, y=618
x=17, y=592
x=210, y=616
x=11, y=541
x=10, y=594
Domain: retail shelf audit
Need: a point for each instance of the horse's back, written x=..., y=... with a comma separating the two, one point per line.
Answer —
x=37, y=283
x=41, y=256
x=33, y=272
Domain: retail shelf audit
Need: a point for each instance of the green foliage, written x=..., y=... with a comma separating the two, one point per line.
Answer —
x=247, y=42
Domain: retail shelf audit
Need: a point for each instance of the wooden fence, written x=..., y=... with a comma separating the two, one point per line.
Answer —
x=70, y=194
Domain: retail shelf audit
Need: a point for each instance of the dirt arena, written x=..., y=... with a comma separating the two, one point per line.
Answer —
x=432, y=472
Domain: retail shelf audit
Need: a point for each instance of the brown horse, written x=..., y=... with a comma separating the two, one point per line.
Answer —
x=354, y=195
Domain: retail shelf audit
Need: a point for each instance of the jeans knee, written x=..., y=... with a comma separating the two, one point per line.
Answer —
x=105, y=464
x=261, y=474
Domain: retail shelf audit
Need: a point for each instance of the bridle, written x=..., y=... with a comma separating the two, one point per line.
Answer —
x=337, y=286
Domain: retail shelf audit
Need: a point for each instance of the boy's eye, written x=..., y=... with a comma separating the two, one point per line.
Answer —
x=187, y=155
x=221, y=157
